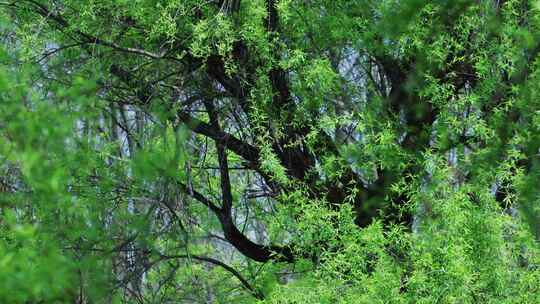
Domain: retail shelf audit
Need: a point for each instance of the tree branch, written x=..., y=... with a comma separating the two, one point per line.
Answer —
x=256, y=293
x=248, y=248
x=222, y=159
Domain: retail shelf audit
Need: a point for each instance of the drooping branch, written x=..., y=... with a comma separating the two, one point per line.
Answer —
x=256, y=293
x=248, y=248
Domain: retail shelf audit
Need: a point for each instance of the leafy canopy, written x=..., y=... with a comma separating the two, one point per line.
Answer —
x=269, y=151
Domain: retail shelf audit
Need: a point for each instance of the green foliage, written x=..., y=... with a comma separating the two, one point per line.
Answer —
x=33, y=267
x=269, y=151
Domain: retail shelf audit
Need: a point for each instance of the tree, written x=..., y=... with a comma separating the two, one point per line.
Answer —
x=273, y=151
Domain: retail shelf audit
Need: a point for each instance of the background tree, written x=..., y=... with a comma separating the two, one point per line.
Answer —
x=274, y=151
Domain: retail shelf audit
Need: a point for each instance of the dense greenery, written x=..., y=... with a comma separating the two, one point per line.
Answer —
x=269, y=151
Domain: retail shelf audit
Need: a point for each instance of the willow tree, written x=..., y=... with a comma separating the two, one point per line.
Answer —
x=276, y=151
